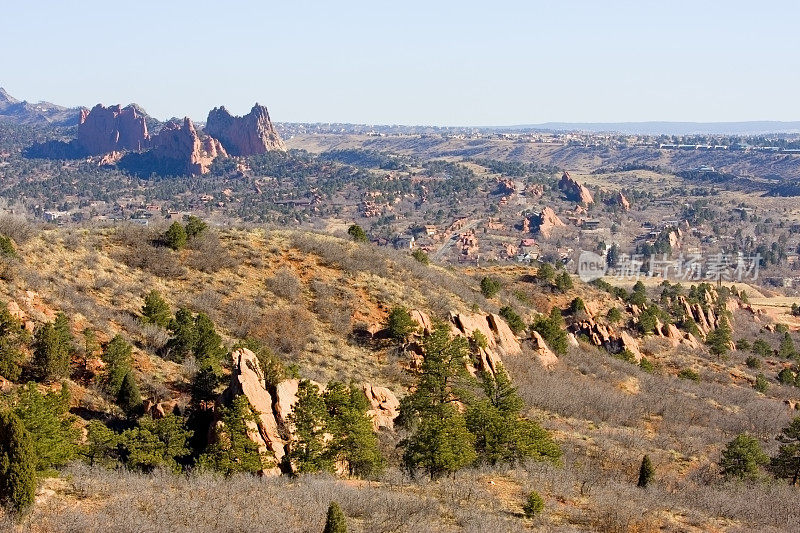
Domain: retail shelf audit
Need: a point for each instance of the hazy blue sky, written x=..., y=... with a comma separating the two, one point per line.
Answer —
x=412, y=62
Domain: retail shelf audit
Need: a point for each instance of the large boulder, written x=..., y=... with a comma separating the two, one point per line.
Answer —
x=544, y=355
x=251, y=134
x=178, y=149
x=630, y=344
x=384, y=406
x=544, y=222
x=574, y=190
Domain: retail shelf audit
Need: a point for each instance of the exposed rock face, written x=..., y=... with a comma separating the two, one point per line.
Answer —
x=544, y=355
x=630, y=344
x=109, y=129
x=619, y=199
x=177, y=149
x=422, y=319
x=385, y=406
x=242, y=136
x=285, y=398
x=545, y=222
x=501, y=340
x=247, y=380
x=574, y=190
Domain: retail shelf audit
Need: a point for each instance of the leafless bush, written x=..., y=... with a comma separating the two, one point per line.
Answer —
x=285, y=329
x=18, y=228
x=155, y=337
x=242, y=318
x=208, y=254
x=333, y=305
x=285, y=284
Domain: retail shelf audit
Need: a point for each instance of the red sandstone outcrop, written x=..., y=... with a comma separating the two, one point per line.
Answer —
x=242, y=136
x=384, y=406
x=574, y=190
x=619, y=199
x=182, y=144
x=501, y=340
x=545, y=222
x=108, y=129
x=247, y=380
x=544, y=355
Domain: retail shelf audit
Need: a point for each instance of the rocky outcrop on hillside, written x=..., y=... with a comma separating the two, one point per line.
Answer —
x=619, y=199
x=251, y=134
x=109, y=129
x=247, y=380
x=543, y=223
x=544, y=355
x=574, y=190
x=501, y=341
x=384, y=406
x=177, y=149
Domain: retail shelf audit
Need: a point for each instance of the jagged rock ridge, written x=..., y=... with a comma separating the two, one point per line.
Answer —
x=251, y=134
x=109, y=129
x=177, y=149
x=574, y=190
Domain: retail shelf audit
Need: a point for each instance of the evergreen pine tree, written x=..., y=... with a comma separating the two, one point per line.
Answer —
x=534, y=505
x=646, y=472
x=46, y=418
x=742, y=458
x=400, y=324
x=129, y=399
x=118, y=360
x=156, y=310
x=308, y=452
x=501, y=434
x=357, y=233
x=184, y=336
x=51, y=356
x=175, y=237
x=719, y=340
x=441, y=444
x=195, y=227
x=786, y=465
x=551, y=328
x=17, y=464
x=155, y=443
x=232, y=451
x=12, y=339
x=335, y=521
x=787, y=349
x=353, y=441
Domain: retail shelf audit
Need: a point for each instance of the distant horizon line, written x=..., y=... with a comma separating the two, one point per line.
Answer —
x=641, y=127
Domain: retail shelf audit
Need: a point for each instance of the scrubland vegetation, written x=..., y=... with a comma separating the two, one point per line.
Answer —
x=119, y=317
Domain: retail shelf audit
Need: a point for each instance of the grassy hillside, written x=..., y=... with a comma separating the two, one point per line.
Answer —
x=320, y=303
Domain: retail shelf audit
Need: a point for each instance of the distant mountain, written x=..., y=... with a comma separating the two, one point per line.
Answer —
x=759, y=127
x=39, y=114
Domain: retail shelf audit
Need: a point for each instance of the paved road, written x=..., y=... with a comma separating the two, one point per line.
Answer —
x=440, y=253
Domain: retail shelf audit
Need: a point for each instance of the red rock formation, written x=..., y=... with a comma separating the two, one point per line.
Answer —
x=181, y=144
x=544, y=355
x=242, y=136
x=247, y=380
x=619, y=199
x=384, y=406
x=545, y=221
x=109, y=129
x=574, y=190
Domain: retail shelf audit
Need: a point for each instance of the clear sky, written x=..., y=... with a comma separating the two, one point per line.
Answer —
x=412, y=62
